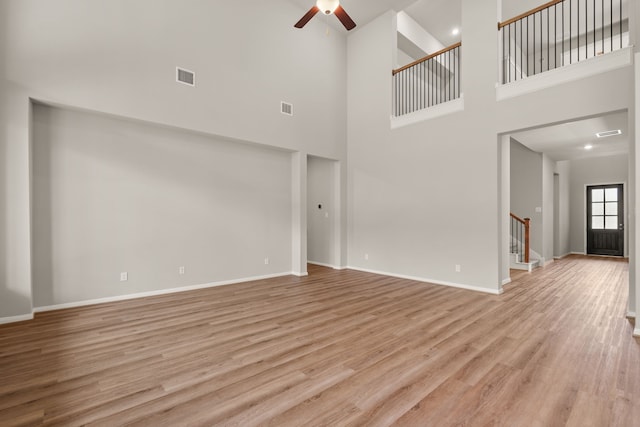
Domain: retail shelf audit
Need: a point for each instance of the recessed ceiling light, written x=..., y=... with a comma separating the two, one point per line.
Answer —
x=609, y=133
x=455, y=31
x=588, y=147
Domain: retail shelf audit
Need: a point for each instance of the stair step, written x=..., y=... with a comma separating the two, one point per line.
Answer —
x=527, y=266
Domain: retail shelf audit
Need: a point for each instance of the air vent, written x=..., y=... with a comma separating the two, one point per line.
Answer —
x=185, y=76
x=286, y=108
x=608, y=133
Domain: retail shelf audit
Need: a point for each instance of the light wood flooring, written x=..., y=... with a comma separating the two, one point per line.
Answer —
x=336, y=348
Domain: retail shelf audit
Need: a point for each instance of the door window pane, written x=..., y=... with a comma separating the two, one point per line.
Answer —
x=597, y=222
x=611, y=194
x=597, y=209
x=611, y=208
x=611, y=222
x=597, y=195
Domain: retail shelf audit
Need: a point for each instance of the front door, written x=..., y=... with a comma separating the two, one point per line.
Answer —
x=605, y=220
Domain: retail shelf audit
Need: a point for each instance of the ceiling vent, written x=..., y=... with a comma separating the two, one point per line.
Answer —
x=286, y=108
x=185, y=76
x=608, y=133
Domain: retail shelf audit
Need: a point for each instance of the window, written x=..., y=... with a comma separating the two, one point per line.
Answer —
x=604, y=208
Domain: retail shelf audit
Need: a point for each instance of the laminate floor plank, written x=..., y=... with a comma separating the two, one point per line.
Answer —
x=336, y=348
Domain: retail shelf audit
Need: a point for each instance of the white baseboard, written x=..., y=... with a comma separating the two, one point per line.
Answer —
x=300, y=274
x=13, y=319
x=631, y=314
x=562, y=256
x=155, y=293
x=577, y=253
x=434, y=282
x=636, y=332
x=506, y=281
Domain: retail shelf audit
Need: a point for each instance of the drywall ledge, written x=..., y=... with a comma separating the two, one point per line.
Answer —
x=155, y=293
x=433, y=282
x=579, y=70
x=443, y=109
x=14, y=319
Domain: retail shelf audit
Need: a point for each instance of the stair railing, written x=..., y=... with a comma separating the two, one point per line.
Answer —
x=559, y=33
x=428, y=81
x=520, y=235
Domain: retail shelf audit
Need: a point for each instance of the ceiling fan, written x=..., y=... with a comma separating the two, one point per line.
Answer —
x=328, y=7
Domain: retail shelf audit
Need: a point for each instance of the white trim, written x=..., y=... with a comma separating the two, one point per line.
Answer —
x=433, y=282
x=299, y=274
x=579, y=70
x=13, y=319
x=506, y=281
x=636, y=332
x=561, y=256
x=577, y=253
x=322, y=264
x=631, y=314
x=154, y=293
x=443, y=109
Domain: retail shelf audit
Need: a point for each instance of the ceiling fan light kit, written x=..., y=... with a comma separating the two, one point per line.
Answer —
x=328, y=7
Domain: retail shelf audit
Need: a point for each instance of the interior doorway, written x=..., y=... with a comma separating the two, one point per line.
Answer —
x=323, y=206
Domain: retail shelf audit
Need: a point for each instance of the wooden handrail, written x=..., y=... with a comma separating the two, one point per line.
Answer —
x=529, y=13
x=517, y=218
x=426, y=58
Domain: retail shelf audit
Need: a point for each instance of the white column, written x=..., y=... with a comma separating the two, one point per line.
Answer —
x=505, y=208
x=634, y=197
x=299, y=213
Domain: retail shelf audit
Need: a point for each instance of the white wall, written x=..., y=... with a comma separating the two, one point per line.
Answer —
x=595, y=171
x=114, y=196
x=119, y=57
x=321, y=206
x=526, y=190
x=423, y=198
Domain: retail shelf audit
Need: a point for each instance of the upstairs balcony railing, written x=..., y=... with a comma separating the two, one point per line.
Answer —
x=560, y=33
x=428, y=81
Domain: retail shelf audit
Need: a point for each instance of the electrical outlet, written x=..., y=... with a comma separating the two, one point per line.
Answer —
x=181, y=270
x=458, y=268
x=124, y=276
x=266, y=261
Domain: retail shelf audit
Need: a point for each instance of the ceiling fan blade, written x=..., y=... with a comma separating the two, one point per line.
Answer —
x=344, y=18
x=307, y=17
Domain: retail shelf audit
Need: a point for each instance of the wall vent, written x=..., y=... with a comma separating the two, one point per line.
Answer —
x=185, y=76
x=286, y=108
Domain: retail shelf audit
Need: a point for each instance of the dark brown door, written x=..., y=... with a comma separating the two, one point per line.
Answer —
x=605, y=220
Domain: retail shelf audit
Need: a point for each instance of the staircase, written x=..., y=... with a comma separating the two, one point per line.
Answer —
x=520, y=258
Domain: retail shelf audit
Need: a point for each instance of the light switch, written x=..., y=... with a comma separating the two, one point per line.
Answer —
x=538, y=209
